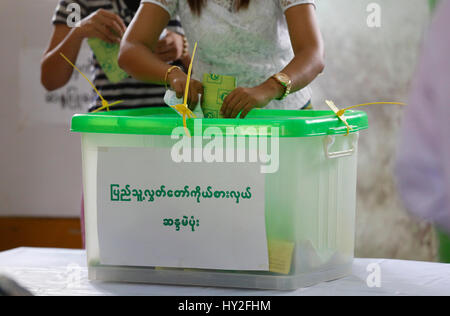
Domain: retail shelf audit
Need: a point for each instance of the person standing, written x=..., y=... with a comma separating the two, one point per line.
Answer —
x=423, y=162
x=107, y=20
x=273, y=48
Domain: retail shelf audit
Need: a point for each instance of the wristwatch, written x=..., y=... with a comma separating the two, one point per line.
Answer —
x=285, y=81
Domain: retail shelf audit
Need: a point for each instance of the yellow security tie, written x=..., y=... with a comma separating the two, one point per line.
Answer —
x=183, y=108
x=105, y=104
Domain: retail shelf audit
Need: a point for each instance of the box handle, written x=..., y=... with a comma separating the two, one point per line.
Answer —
x=329, y=141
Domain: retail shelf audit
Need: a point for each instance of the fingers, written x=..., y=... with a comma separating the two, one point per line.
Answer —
x=246, y=110
x=166, y=57
x=105, y=34
x=164, y=49
x=115, y=20
x=105, y=25
x=109, y=27
x=171, y=47
x=195, y=88
x=239, y=100
x=165, y=45
x=178, y=84
x=229, y=99
x=234, y=102
x=192, y=97
x=115, y=27
x=238, y=107
x=178, y=87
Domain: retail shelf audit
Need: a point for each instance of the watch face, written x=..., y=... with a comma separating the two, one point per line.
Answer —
x=284, y=78
x=285, y=81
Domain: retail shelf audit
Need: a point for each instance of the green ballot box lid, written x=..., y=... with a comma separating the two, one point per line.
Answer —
x=162, y=121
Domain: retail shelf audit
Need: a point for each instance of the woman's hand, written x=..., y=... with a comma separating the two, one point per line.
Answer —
x=177, y=80
x=101, y=24
x=170, y=48
x=246, y=99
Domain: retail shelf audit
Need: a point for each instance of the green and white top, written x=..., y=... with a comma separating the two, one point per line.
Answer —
x=251, y=44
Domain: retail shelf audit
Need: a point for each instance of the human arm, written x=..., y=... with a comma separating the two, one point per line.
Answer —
x=55, y=72
x=138, y=52
x=173, y=47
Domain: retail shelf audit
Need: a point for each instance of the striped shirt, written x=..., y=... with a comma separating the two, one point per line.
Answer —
x=134, y=93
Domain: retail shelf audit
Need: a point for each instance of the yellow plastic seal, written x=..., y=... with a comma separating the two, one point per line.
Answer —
x=183, y=108
x=340, y=113
x=105, y=104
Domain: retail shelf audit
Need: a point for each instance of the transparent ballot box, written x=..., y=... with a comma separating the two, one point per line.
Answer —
x=264, y=202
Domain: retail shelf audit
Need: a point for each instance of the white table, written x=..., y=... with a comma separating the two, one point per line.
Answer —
x=46, y=271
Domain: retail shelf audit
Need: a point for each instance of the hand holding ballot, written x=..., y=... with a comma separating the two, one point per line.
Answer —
x=102, y=24
x=171, y=47
x=219, y=96
x=176, y=78
x=243, y=100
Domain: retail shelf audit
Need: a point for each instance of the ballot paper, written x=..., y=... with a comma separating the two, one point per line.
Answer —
x=107, y=54
x=216, y=88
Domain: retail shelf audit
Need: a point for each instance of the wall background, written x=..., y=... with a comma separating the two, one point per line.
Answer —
x=40, y=161
x=367, y=65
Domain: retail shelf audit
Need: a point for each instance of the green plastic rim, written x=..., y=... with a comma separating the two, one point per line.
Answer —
x=162, y=121
x=444, y=247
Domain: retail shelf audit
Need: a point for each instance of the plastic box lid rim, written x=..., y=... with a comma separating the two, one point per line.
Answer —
x=162, y=121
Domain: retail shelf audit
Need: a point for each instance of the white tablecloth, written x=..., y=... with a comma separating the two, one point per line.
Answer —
x=64, y=272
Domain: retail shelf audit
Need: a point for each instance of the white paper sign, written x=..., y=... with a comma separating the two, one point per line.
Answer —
x=161, y=220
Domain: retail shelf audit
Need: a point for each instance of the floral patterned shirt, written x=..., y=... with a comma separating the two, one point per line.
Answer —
x=251, y=44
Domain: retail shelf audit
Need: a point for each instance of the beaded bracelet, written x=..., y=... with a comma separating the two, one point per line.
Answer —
x=168, y=72
x=185, y=46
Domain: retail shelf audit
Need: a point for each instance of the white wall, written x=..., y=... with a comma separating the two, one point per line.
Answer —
x=40, y=160
x=367, y=65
